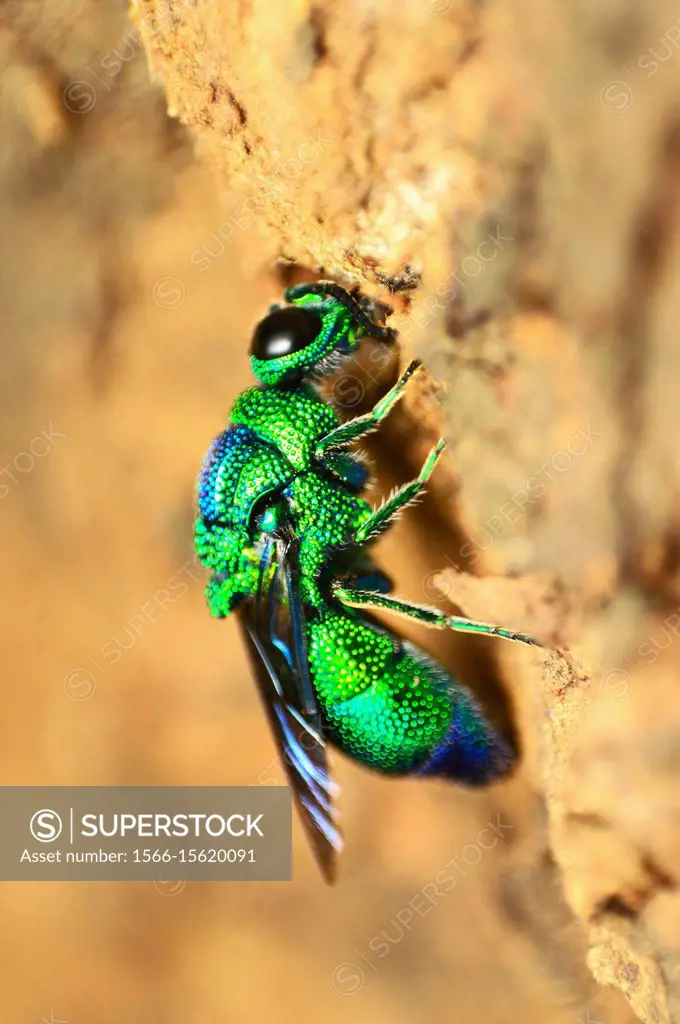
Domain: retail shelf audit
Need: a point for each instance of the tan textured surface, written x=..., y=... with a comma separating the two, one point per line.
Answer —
x=523, y=162
x=385, y=141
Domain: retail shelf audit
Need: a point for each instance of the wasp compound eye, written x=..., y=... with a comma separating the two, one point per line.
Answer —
x=284, y=332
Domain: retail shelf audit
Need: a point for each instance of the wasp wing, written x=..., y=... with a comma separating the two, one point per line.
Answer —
x=274, y=629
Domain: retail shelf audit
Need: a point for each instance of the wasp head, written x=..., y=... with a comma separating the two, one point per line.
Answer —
x=307, y=338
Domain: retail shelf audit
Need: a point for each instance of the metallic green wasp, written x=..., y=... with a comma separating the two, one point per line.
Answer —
x=287, y=537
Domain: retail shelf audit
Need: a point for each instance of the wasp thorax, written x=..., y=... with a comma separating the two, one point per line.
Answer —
x=284, y=332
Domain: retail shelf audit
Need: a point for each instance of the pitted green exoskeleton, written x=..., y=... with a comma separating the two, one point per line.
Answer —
x=287, y=535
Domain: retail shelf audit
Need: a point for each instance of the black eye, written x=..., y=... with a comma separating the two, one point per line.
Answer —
x=285, y=331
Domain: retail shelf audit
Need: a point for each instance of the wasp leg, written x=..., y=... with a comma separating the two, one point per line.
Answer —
x=360, y=425
x=383, y=516
x=421, y=613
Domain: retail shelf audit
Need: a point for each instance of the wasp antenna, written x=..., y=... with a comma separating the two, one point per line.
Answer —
x=341, y=294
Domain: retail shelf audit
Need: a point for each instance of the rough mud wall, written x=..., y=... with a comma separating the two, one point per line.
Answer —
x=510, y=172
x=124, y=321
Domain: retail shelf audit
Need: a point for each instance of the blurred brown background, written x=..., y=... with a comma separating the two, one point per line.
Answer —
x=126, y=308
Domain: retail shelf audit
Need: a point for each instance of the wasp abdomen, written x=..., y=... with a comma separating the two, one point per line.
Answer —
x=394, y=709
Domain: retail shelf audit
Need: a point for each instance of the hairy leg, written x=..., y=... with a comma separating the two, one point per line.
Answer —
x=422, y=613
x=361, y=425
x=384, y=515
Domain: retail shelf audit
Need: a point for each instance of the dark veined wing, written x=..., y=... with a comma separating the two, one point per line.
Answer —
x=273, y=627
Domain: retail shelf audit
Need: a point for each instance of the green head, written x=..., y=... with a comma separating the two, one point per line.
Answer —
x=322, y=322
